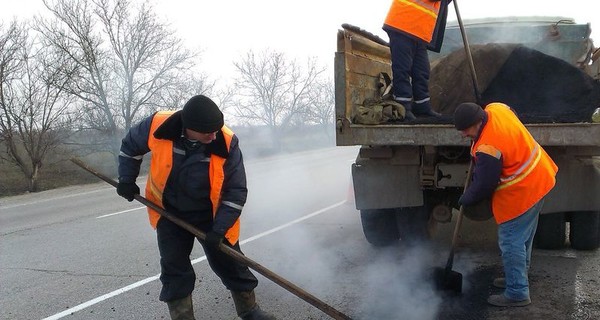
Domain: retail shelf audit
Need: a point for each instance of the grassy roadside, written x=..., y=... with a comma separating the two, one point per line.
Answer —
x=55, y=175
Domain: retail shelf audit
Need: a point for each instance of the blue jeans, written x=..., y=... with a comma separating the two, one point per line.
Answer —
x=515, y=238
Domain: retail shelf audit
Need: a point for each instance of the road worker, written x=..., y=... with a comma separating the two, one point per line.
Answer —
x=197, y=174
x=516, y=173
x=414, y=26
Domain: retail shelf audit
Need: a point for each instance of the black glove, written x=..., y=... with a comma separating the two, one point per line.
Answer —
x=128, y=190
x=213, y=240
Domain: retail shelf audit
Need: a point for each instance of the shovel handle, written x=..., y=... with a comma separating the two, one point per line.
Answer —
x=314, y=301
x=459, y=220
x=468, y=54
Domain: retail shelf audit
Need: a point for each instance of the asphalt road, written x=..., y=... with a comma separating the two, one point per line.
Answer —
x=85, y=253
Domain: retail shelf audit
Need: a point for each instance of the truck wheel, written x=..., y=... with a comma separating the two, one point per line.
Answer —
x=379, y=226
x=550, y=232
x=585, y=230
x=413, y=224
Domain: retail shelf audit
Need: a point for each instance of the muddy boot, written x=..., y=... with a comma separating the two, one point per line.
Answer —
x=424, y=109
x=246, y=307
x=181, y=309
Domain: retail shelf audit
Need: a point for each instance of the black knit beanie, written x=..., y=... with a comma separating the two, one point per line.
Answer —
x=201, y=114
x=467, y=114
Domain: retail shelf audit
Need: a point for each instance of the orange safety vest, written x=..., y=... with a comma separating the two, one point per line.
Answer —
x=416, y=17
x=528, y=172
x=161, y=162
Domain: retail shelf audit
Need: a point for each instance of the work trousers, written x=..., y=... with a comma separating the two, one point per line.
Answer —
x=515, y=238
x=410, y=68
x=177, y=274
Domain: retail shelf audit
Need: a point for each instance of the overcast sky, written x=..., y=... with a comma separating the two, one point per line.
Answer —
x=226, y=30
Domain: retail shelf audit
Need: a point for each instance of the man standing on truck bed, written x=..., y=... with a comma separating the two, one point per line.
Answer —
x=197, y=174
x=516, y=173
x=411, y=26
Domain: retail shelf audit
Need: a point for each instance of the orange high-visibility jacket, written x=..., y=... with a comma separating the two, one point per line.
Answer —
x=528, y=172
x=415, y=17
x=161, y=162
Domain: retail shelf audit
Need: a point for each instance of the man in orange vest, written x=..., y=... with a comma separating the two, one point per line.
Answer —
x=414, y=26
x=516, y=173
x=197, y=174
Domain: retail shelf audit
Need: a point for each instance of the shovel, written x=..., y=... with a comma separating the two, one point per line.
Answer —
x=314, y=301
x=445, y=278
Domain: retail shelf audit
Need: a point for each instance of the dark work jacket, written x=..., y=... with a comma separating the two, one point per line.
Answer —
x=485, y=178
x=187, y=190
x=435, y=44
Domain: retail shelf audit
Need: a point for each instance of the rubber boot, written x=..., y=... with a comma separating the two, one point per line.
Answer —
x=181, y=309
x=407, y=104
x=424, y=109
x=408, y=115
x=247, y=308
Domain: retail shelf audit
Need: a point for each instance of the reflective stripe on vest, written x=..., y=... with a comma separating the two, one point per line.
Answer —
x=415, y=17
x=528, y=173
x=520, y=174
x=161, y=162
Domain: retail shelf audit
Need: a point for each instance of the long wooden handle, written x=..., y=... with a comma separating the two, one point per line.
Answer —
x=468, y=54
x=459, y=220
x=327, y=309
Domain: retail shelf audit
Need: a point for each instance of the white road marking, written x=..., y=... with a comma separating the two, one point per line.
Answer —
x=140, y=283
x=92, y=302
x=53, y=198
x=260, y=235
x=116, y=213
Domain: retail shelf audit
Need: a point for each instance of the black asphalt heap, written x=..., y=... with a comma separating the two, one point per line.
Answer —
x=539, y=87
x=544, y=89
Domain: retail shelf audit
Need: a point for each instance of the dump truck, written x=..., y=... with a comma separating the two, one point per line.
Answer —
x=408, y=176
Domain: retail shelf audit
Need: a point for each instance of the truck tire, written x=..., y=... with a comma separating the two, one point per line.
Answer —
x=413, y=224
x=585, y=230
x=379, y=226
x=550, y=232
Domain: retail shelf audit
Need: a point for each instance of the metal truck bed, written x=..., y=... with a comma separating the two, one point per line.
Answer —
x=359, y=60
x=551, y=134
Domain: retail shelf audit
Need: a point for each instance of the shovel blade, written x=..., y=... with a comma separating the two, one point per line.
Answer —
x=447, y=280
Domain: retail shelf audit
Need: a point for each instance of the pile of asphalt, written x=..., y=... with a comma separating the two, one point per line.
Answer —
x=544, y=89
x=539, y=87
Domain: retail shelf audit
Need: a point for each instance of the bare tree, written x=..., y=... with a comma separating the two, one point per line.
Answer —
x=35, y=110
x=129, y=61
x=321, y=112
x=188, y=86
x=273, y=90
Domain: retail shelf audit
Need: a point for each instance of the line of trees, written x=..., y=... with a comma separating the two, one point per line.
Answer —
x=94, y=68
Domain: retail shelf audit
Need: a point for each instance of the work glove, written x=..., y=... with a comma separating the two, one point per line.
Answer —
x=213, y=240
x=128, y=190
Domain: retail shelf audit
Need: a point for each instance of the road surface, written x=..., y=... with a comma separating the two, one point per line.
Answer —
x=84, y=253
